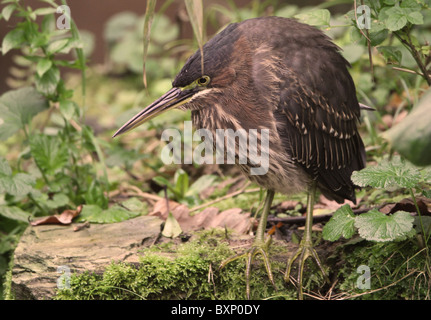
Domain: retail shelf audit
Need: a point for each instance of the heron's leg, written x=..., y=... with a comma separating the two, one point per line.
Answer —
x=305, y=249
x=260, y=246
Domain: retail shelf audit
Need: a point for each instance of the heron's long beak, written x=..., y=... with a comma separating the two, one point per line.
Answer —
x=171, y=99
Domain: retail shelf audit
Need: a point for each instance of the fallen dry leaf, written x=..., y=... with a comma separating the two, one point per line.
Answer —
x=331, y=205
x=65, y=217
x=160, y=208
x=210, y=217
x=287, y=205
x=407, y=205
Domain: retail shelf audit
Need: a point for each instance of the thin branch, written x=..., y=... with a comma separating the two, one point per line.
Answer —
x=230, y=195
x=415, y=55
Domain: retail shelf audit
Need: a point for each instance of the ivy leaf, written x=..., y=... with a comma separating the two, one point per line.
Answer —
x=387, y=174
x=376, y=226
x=342, y=223
x=19, y=184
x=49, y=153
x=17, y=108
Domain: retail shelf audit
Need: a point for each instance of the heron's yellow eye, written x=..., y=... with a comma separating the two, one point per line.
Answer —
x=203, y=81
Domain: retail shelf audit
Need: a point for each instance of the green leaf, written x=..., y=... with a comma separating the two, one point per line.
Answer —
x=95, y=214
x=391, y=54
x=396, y=18
x=342, y=223
x=17, y=107
x=412, y=137
x=172, y=228
x=49, y=153
x=44, y=11
x=410, y=5
x=377, y=37
x=415, y=17
x=47, y=84
x=57, y=201
x=118, y=25
x=202, y=183
x=95, y=194
x=68, y=109
x=387, y=174
x=425, y=221
x=57, y=46
x=4, y=167
x=320, y=17
x=376, y=226
x=12, y=40
x=353, y=52
x=136, y=205
x=162, y=181
x=43, y=66
x=181, y=179
x=14, y=213
x=8, y=10
x=16, y=185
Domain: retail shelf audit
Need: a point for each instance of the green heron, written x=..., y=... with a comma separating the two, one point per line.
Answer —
x=278, y=74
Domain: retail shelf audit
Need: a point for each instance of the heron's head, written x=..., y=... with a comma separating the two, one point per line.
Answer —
x=194, y=88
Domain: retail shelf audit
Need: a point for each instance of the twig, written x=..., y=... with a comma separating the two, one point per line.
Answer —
x=139, y=193
x=408, y=44
x=382, y=288
x=356, y=19
x=408, y=70
x=319, y=218
x=86, y=224
x=230, y=195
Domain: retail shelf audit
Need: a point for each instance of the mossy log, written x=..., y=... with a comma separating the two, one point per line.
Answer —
x=46, y=254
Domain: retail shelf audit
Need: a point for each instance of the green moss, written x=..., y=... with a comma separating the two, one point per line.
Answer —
x=181, y=271
x=397, y=269
x=190, y=270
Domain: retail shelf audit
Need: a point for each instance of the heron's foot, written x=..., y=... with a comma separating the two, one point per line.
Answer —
x=304, y=251
x=258, y=247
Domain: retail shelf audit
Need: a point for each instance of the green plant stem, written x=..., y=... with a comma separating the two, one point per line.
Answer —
x=45, y=213
x=425, y=236
x=415, y=54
